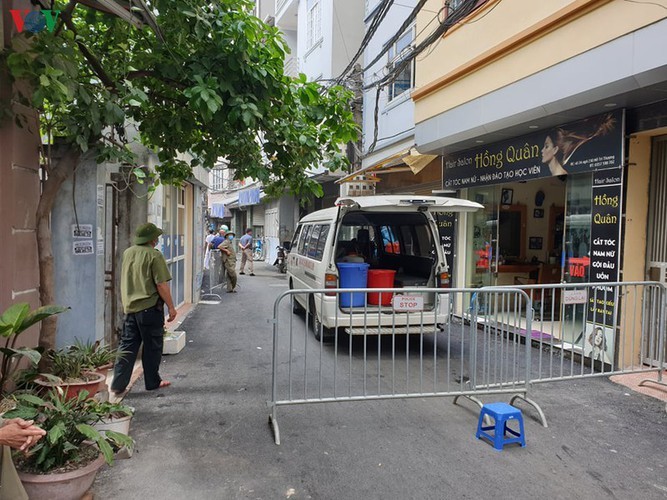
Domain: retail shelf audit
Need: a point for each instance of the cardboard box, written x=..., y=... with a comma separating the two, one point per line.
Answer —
x=174, y=342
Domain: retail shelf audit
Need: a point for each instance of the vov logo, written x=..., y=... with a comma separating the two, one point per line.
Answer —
x=34, y=20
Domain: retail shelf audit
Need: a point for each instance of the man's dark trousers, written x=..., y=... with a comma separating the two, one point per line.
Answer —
x=146, y=326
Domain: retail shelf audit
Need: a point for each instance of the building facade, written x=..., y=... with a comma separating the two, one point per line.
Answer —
x=552, y=115
x=19, y=196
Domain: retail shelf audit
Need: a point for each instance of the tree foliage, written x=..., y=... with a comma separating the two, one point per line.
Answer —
x=208, y=84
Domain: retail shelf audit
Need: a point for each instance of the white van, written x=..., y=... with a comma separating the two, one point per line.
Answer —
x=388, y=232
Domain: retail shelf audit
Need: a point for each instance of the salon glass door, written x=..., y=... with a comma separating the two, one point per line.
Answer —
x=482, y=237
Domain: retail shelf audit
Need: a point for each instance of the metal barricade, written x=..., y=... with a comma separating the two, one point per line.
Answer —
x=216, y=275
x=597, y=329
x=462, y=342
x=347, y=347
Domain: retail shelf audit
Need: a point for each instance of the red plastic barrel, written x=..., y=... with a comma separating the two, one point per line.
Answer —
x=380, y=278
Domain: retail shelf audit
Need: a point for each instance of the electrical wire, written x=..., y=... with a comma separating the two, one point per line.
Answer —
x=648, y=3
x=382, y=12
x=464, y=10
x=399, y=33
x=435, y=45
x=460, y=13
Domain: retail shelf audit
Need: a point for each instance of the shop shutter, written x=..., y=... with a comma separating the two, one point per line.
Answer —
x=657, y=236
x=258, y=215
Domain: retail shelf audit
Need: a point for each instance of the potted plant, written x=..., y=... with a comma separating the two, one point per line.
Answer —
x=63, y=464
x=70, y=370
x=116, y=417
x=97, y=358
x=14, y=321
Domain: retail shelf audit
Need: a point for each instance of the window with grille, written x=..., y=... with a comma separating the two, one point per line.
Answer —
x=397, y=53
x=217, y=180
x=314, y=24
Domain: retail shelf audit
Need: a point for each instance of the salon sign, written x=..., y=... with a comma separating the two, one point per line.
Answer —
x=588, y=145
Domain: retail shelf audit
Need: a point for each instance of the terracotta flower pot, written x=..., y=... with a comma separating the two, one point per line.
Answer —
x=73, y=389
x=61, y=486
x=104, y=371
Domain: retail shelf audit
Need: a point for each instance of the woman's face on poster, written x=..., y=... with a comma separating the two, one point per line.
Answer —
x=599, y=337
x=549, y=150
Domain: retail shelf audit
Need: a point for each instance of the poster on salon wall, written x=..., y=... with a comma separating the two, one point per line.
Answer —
x=605, y=247
x=446, y=226
x=588, y=145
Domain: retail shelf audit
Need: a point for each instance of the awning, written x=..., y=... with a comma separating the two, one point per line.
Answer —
x=410, y=157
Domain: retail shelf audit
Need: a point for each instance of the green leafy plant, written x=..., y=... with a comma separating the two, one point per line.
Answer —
x=14, y=321
x=111, y=410
x=95, y=355
x=67, y=364
x=70, y=436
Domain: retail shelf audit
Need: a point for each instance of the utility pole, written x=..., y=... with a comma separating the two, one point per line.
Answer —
x=354, y=148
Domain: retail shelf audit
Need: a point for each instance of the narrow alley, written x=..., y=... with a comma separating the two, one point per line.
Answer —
x=207, y=437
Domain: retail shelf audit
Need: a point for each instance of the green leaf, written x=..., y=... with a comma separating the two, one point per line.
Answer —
x=40, y=314
x=119, y=439
x=56, y=432
x=24, y=412
x=106, y=450
x=32, y=355
x=90, y=432
x=212, y=105
x=14, y=316
x=30, y=398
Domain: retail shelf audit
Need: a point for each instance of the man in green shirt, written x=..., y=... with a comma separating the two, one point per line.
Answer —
x=228, y=254
x=144, y=288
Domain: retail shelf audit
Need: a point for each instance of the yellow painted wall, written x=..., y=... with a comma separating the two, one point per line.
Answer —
x=608, y=20
x=634, y=264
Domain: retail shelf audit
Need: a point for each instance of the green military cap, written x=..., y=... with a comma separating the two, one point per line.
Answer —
x=146, y=232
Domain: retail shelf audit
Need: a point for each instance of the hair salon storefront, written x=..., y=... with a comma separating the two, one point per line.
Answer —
x=552, y=212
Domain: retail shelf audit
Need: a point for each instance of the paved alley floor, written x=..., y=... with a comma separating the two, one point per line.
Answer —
x=207, y=436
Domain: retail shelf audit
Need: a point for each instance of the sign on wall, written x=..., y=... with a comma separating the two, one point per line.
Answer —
x=588, y=145
x=446, y=230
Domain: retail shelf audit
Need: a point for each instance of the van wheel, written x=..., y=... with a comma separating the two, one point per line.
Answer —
x=296, y=307
x=322, y=334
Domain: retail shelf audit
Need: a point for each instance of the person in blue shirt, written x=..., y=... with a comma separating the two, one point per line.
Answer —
x=218, y=239
x=245, y=244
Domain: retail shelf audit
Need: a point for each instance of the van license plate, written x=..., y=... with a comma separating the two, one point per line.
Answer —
x=408, y=303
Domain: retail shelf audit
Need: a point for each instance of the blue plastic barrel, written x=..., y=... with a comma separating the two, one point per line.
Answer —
x=353, y=275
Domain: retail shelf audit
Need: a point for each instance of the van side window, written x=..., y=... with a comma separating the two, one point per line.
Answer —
x=295, y=239
x=314, y=238
x=303, y=241
x=322, y=242
x=390, y=240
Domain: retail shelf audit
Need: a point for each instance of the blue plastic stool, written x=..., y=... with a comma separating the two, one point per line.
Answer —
x=502, y=413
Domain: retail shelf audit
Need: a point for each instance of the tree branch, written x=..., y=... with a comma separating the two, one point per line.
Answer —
x=94, y=63
x=148, y=73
